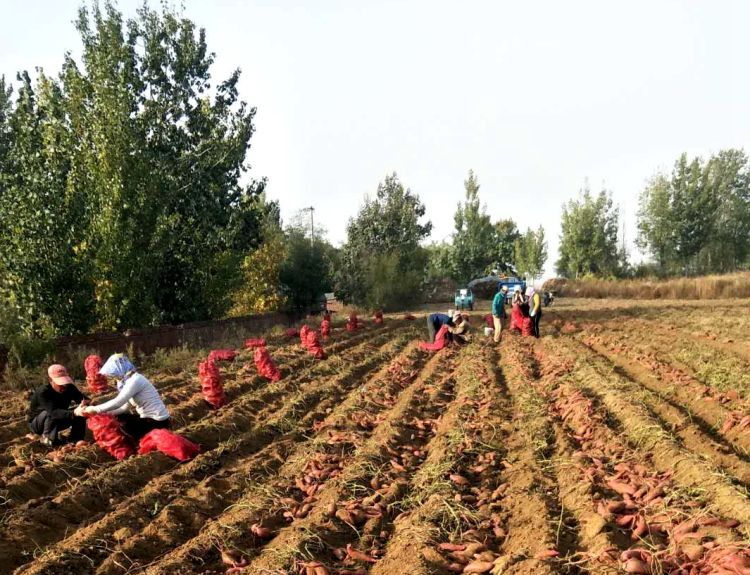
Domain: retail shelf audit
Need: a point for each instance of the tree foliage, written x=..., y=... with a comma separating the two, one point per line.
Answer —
x=531, y=253
x=120, y=195
x=383, y=247
x=306, y=273
x=698, y=219
x=474, y=248
x=588, y=240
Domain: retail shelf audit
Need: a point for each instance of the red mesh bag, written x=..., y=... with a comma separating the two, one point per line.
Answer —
x=527, y=326
x=325, y=327
x=222, y=355
x=488, y=320
x=109, y=435
x=441, y=340
x=291, y=332
x=313, y=345
x=213, y=391
x=378, y=318
x=253, y=343
x=516, y=317
x=409, y=316
x=171, y=444
x=97, y=383
x=304, y=330
x=265, y=364
x=352, y=322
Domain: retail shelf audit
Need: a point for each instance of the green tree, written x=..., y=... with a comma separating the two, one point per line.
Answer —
x=440, y=261
x=506, y=236
x=728, y=181
x=474, y=239
x=656, y=224
x=588, y=239
x=531, y=253
x=120, y=180
x=693, y=208
x=307, y=271
x=385, y=236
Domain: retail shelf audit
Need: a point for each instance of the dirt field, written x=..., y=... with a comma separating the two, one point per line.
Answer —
x=623, y=428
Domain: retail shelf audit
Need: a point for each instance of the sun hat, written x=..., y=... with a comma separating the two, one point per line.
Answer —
x=456, y=316
x=59, y=375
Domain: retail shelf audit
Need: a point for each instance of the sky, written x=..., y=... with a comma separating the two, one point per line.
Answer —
x=537, y=98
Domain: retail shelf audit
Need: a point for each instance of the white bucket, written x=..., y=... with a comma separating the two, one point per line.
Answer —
x=488, y=331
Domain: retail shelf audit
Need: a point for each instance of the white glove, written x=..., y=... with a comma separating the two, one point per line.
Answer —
x=532, y=313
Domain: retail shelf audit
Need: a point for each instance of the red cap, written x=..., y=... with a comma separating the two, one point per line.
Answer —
x=59, y=375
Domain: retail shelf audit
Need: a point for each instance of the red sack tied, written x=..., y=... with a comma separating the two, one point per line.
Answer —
x=171, y=444
x=325, y=327
x=210, y=377
x=109, y=435
x=222, y=355
x=253, y=343
x=97, y=383
x=313, y=345
x=304, y=330
x=527, y=326
x=378, y=317
x=489, y=321
x=265, y=364
x=352, y=322
x=516, y=317
x=291, y=332
x=441, y=339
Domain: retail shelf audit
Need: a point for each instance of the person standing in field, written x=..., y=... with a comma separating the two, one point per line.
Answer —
x=535, y=309
x=133, y=390
x=516, y=312
x=51, y=411
x=498, y=312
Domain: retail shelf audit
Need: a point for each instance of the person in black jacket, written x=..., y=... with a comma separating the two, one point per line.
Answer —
x=51, y=408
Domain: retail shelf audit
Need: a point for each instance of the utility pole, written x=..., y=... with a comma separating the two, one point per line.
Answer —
x=311, y=209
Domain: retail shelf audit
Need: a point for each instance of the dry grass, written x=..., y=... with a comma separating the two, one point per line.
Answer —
x=704, y=287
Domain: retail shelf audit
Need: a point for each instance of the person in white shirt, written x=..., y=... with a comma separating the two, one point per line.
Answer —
x=133, y=390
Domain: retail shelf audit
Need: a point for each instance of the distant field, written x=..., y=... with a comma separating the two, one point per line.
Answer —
x=623, y=428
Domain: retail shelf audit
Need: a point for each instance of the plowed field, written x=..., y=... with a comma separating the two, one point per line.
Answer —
x=616, y=443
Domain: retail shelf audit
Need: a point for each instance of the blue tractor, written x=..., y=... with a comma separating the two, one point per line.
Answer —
x=511, y=282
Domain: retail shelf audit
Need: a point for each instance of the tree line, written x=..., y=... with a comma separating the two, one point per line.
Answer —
x=694, y=220
x=122, y=203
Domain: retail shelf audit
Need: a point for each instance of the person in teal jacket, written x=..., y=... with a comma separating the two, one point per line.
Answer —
x=498, y=312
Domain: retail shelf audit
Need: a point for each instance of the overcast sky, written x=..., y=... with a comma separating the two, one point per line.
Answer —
x=536, y=97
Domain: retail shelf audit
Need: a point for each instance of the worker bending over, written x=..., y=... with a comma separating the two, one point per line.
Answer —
x=458, y=327
x=133, y=390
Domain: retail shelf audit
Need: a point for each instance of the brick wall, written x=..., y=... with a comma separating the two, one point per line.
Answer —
x=147, y=340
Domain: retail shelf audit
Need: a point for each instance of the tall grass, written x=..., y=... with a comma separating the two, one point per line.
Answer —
x=735, y=285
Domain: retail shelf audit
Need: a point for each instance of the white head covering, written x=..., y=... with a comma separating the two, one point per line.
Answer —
x=530, y=292
x=117, y=365
x=516, y=289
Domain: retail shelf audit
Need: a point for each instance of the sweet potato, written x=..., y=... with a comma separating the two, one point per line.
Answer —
x=636, y=566
x=478, y=567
